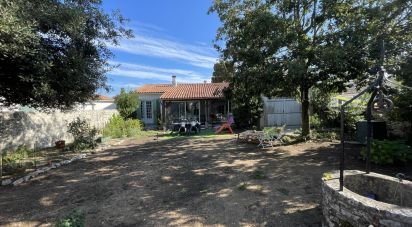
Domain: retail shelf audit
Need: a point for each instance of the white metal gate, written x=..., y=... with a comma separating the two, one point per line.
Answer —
x=282, y=111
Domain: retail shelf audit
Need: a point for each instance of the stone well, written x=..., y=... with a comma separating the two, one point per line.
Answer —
x=367, y=199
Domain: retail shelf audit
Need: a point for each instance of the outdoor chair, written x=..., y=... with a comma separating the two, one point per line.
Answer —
x=182, y=128
x=226, y=125
x=193, y=126
x=270, y=136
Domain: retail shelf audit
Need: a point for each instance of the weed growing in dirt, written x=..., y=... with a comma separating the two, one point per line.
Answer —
x=242, y=186
x=327, y=176
x=258, y=175
x=74, y=219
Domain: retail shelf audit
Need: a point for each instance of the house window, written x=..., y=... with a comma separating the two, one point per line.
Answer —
x=149, y=110
x=142, y=109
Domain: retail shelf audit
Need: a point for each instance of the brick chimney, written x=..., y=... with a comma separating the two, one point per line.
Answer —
x=174, y=80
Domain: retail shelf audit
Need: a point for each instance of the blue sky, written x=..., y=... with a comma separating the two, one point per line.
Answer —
x=171, y=38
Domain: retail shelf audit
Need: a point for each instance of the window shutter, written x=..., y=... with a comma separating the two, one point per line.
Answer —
x=139, y=110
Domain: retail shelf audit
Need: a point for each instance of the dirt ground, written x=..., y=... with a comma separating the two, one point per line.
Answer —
x=182, y=182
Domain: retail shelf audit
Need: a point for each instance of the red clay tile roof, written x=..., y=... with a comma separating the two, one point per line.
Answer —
x=103, y=98
x=195, y=91
x=153, y=88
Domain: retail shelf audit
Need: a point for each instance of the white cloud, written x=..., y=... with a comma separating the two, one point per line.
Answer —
x=126, y=85
x=148, y=43
x=155, y=73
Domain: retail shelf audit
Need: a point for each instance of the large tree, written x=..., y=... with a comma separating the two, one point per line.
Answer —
x=222, y=72
x=287, y=47
x=53, y=53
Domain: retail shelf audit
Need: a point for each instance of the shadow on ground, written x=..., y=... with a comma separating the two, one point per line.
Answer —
x=193, y=182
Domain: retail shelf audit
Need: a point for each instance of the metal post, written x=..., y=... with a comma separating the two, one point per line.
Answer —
x=369, y=135
x=342, y=141
x=206, y=117
x=1, y=166
x=378, y=85
x=161, y=114
x=342, y=132
x=410, y=125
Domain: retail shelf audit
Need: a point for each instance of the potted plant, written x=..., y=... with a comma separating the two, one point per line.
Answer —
x=60, y=144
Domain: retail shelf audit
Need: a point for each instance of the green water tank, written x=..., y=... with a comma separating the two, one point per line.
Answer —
x=379, y=130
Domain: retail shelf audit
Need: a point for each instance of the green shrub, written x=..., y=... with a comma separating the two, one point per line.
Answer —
x=20, y=153
x=114, y=127
x=324, y=135
x=353, y=114
x=386, y=152
x=118, y=127
x=293, y=139
x=75, y=219
x=15, y=161
x=127, y=103
x=84, y=135
x=273, y=130
x=314, y=121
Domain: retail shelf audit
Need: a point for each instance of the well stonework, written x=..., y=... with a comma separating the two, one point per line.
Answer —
x=39, y=130
x=348, y=207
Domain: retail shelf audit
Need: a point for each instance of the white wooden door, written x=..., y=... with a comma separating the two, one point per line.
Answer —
x=146, y=108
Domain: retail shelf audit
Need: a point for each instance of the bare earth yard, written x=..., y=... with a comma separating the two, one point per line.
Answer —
x=178, y=182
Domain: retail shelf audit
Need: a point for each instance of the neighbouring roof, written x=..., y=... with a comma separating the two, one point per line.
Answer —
x=185, y=91
x=103, y=98
x=153, y=88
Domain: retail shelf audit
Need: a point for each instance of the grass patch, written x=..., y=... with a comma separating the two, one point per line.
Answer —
x=206, y=134
x=74, y=219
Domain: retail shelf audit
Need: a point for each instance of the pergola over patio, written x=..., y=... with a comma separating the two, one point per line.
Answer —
x=203, y=102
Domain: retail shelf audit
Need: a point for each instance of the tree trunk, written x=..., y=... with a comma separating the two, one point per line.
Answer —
x=305, y=111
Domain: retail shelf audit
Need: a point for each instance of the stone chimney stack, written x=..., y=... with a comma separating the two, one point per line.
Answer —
x=174, y=80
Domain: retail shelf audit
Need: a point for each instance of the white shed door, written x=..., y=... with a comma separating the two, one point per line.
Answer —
x=282, y=111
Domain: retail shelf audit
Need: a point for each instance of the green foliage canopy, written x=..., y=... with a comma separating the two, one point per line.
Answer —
x=222, y=72
x=53, y=54
x=287, y=47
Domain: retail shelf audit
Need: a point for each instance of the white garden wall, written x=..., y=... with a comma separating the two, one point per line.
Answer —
x=38, y=130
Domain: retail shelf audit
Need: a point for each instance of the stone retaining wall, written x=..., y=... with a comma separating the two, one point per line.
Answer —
x=345, y=208
x=39, y=130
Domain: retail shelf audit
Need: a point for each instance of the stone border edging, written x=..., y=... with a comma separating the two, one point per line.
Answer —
x=42, y=170
x=45, y=169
